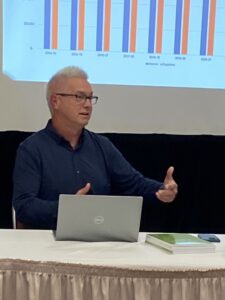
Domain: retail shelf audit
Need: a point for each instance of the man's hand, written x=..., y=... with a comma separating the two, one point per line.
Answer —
x=168, y=193
x=84, y=190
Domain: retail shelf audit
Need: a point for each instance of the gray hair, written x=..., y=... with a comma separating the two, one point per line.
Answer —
x=63, y=74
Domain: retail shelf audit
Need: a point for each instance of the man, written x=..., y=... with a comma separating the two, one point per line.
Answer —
x=66, y=158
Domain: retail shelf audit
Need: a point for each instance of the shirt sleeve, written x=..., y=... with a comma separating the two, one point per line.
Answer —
x=30, y=209
x=127, y=180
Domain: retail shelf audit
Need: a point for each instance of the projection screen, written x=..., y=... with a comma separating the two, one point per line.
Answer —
x=156, y=65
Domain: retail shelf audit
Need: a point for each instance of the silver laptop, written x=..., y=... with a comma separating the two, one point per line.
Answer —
x=98, y=218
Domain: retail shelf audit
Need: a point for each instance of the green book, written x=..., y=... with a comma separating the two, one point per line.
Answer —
x=180, y=242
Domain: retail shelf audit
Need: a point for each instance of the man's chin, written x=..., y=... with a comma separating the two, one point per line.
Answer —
x=84, y=122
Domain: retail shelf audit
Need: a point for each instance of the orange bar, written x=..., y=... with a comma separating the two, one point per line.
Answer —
x=55, y=7
x=159, y=26
x=212, y=17
x=186, y=17
x=107, y=25
x=133, y=30
x=81, y=25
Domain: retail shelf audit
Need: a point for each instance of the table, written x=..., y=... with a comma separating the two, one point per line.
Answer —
x=36, y=267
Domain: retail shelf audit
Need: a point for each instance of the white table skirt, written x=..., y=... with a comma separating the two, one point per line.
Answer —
x=36, y=267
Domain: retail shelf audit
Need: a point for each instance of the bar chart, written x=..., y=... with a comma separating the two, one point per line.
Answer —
x=128, y=15
x=145, y=36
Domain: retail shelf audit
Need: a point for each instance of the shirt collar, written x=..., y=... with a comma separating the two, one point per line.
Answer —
x=60, y=139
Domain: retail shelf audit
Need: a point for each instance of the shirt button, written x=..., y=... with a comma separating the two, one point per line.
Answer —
x=78, y=172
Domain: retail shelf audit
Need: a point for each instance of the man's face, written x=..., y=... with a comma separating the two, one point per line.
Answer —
x=71, y=109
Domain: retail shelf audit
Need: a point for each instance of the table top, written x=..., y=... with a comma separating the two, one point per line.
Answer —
x=40, y=245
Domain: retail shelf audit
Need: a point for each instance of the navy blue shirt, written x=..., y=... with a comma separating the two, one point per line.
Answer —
x=46, y=166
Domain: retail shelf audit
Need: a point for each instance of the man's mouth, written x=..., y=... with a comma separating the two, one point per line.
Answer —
x=87, y=114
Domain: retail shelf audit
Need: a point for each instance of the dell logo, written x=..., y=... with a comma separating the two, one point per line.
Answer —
x=99, y=220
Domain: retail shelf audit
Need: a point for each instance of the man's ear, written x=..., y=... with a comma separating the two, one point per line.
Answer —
x=54, y=101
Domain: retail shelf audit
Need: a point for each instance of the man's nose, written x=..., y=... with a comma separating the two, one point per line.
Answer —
x=87, y=102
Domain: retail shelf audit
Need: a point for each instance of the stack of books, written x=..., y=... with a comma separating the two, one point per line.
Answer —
x=180, y=242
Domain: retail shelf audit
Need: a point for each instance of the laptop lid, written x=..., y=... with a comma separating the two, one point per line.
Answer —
x=98, y=218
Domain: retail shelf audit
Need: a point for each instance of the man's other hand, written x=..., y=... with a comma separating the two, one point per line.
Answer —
x=84, y=190
x=169, y=191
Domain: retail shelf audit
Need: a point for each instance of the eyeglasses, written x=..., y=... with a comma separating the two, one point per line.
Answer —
x=80, y=98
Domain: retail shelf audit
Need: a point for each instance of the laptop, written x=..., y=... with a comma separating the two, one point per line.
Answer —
x=95, y=218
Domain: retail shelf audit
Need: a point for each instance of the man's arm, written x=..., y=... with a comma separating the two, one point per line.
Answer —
x=30, y=209
x=129, y=181
x=126, y=180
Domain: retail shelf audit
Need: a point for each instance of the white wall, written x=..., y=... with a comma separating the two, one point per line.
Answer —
x=120, y=108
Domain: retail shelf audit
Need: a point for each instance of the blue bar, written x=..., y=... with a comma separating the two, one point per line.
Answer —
x=204, y=29
x=73, y=37
x=151, y=36
x=47, y=24
x=126, y=25
x=178, y=26
x=99, y=32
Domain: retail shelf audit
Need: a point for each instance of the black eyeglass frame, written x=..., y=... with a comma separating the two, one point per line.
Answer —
x=80, y=98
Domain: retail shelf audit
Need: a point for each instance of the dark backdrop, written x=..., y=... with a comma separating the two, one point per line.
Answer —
x=199, y=162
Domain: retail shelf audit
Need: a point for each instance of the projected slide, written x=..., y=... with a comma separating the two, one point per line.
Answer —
x=152, y=43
